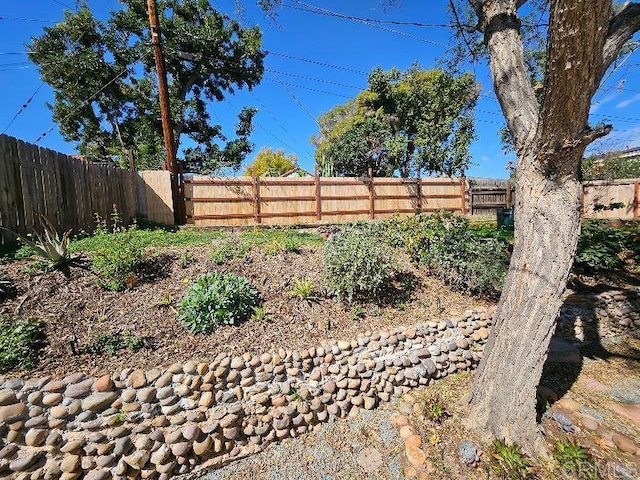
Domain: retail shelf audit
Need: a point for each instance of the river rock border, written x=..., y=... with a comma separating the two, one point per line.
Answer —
x=163, y=422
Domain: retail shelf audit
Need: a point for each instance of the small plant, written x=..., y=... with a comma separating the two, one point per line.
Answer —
x=435, y=411
x=302, y=289
x=281, y=244
x=50, y=245
x=121, y=416
x=357, y=265
x=217, y=298
x=259, y=314
x=508, y=461
x=166, y=301
x=115, y=340
x=575, y=460
x=357, y=312
x=186, y=259
x=119, y=259
x=20, y=340
x=228, y=248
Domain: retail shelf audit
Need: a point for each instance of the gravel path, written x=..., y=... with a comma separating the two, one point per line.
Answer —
x=364, y=447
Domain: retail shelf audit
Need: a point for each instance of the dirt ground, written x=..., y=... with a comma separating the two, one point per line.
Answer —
x=75, y=308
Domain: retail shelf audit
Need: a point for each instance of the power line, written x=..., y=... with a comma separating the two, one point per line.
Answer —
x=370, y=24
x=289, y=74
x=304, y=87
x=315, y=62
x=305, y=109
x=44, y=134
x=21, y=19
x=23, y=108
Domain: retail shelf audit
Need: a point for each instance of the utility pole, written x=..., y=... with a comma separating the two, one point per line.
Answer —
x=170, y=163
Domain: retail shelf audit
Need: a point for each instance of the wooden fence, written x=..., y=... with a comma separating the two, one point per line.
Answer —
x=68, y=191
x=274, y=200
x=602, y=193
x=486, y=195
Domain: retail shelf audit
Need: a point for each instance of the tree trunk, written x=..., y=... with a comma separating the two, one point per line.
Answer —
x=503, y=398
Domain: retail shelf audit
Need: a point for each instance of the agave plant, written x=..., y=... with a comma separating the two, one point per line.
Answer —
x=50, y=245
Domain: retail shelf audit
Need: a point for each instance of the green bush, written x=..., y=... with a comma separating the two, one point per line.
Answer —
x=448, y=247
x=120, y=257
x=217, y=299
x=19, y=342
x=357, y=265
x=227, y=248
x=599, y=247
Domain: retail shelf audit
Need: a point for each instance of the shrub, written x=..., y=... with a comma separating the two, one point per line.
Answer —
x=599, y=247
x=217, y=299
x=119, y=258
x=19, y=342
x=448, y=247
x=228, y=248
x=357, y=265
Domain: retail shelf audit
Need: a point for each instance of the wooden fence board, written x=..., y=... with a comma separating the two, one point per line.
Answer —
x=67, y=191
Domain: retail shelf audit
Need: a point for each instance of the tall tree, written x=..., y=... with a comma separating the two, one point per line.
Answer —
x=270, y=163
x=550, y=131
x=105, y=95
x=404, y=121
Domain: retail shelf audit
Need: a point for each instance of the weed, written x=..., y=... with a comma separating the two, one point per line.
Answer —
x=302, y=289
x=259, y=314
x=20, y=340
x=575, y=460
x=116, y=340
x=435, y=411
x=166, y=301
x=226, y=249
x=186, y=259
x=357, y=312
x=121, y=416
x=117, y=263
x=509, y=462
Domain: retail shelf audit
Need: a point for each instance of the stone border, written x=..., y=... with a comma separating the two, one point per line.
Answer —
x=163, y=422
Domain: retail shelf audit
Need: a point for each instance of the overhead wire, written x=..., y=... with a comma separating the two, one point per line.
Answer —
x=23, y=108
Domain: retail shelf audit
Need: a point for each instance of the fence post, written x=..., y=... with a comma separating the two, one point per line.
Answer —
x=256, y=199
x=584, y=198
x=463, y=195
x=419, y=190
x=636, y=200
x=372, y=208
x=318, y=194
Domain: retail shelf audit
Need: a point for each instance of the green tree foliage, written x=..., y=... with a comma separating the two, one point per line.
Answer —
x=270, y=163
x=412, y=120
x=103, y=78
x=610, y=166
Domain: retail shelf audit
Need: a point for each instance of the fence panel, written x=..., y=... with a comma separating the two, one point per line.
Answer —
x=282, y=201
x=602, y=193
x=66, y=190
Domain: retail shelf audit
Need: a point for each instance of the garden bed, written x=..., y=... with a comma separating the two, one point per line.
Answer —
x=76, y=310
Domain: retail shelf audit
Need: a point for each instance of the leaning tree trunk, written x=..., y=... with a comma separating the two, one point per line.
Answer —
x=503, y=398
x=550, y=140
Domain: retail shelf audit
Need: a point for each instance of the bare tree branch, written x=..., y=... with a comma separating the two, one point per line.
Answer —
x=621, y=28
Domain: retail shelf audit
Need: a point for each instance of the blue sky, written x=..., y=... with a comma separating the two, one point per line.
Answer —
x=315, y=62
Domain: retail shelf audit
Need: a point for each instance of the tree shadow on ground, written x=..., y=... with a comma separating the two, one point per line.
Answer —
x=561, y=371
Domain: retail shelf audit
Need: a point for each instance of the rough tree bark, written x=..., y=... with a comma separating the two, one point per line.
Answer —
x=584, y=39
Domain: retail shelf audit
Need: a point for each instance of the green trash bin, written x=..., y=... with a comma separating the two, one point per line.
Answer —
x=505, y=218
